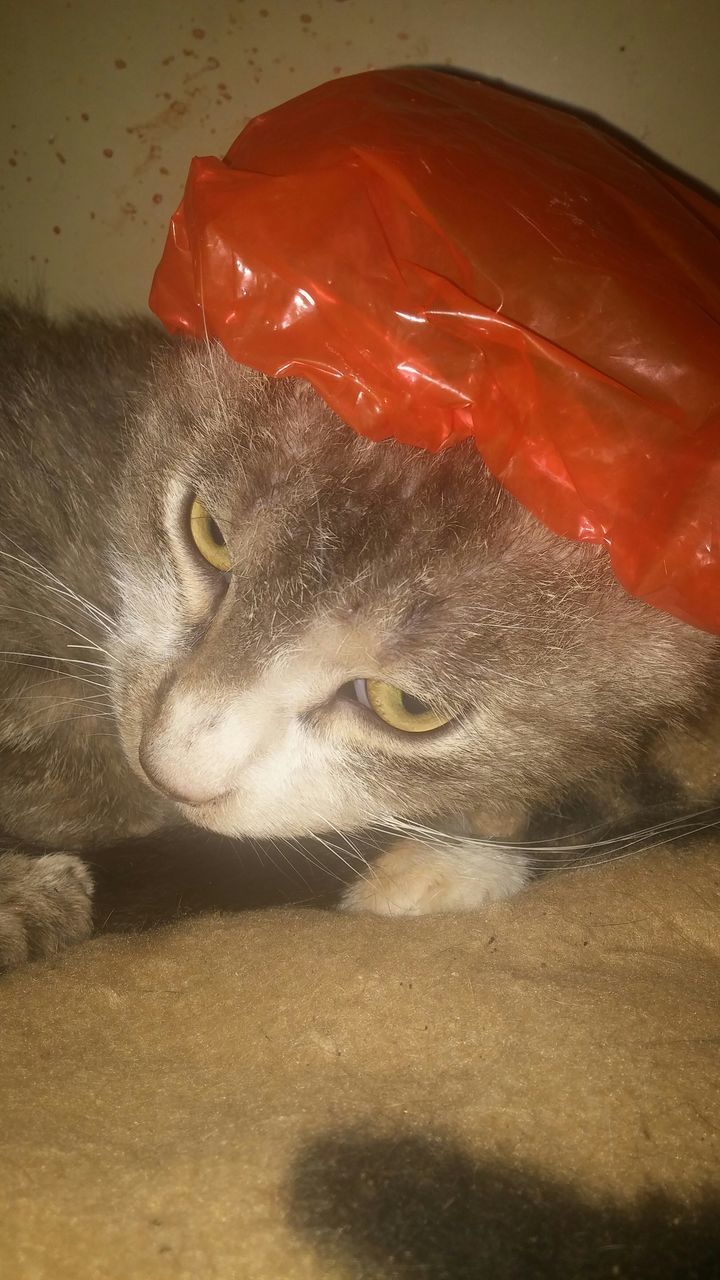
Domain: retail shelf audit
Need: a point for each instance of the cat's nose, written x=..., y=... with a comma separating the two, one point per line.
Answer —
x=188, y=790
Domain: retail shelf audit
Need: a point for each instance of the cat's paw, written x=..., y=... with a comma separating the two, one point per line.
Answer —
x=412, y=879
x=45, y=904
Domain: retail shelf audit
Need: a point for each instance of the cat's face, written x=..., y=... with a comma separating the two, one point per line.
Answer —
x=394, y=635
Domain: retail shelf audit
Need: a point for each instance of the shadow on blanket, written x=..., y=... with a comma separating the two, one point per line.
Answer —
x=406, y=1206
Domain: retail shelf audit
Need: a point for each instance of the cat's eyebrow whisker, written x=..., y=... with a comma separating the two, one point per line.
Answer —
x=495, y=674
x=220, y=404
x=319, y=562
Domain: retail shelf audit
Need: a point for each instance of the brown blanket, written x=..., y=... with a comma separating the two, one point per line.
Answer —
x=286, y=1093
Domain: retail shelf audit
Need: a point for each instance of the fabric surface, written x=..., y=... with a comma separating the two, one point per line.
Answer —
x=280, y=1093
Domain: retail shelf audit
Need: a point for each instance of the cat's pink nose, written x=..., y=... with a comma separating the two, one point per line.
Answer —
x=186, y=790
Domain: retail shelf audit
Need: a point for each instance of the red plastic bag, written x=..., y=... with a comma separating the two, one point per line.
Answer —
x=442, y=258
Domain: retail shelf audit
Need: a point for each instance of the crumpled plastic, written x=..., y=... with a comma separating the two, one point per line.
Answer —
x=442, y=258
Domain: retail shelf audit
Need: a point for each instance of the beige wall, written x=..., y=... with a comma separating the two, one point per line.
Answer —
x=105, y=103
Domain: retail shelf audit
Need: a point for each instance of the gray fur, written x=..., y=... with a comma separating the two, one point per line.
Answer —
x=352, y=559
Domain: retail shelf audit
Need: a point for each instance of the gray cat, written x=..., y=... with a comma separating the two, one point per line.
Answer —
x=221, y=607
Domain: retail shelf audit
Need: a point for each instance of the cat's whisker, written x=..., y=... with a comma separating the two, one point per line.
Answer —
x=95, y=648
x=305, y=853
x=417, y=829
x=64, y=624
x=33, y=613
x=681, y=820
x=49, y=723
x=637, y=850
x=60, y=623
x=438, y=839
x=370, y=838
x=569, y=857
x=61, y=675
x=56, y=585
x=336, y=852
x=47, y=699
x=86, y=715
x=294, y=869
x=52, y=657
x=322, y=864
x=263, y=851
x=33, y=562
x=450, y=842
x=503, y=854
x=356, y=852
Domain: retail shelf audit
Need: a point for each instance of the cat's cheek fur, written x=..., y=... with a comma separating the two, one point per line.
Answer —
x=151, y=624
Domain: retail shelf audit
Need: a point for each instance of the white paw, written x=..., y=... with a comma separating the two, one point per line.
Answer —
x=412, y=879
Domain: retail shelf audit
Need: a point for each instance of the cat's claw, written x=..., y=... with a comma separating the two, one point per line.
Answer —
x=410, y=879
x=45, y=905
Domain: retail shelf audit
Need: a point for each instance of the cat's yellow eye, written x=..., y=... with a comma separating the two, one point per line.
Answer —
x=208, y=538
x=397, y=708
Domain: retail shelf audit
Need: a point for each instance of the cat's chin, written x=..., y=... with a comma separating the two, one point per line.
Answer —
x=226, y=817
x=229, y=816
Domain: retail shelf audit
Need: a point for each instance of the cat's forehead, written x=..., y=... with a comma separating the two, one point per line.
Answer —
x=275, y=440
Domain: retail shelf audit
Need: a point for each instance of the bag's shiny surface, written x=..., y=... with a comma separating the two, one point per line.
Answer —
x=442, y=259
